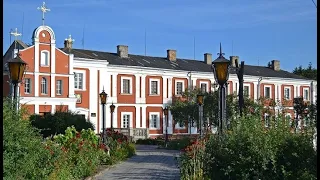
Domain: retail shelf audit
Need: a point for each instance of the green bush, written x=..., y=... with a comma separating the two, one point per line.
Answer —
x=24, y=154
x=249, y=151
x=179, y=144
x=57, y=123
x=150, y=141
x=83, y=152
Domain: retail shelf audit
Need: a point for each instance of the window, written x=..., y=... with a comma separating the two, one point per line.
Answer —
x=78, y=80
x=154, y=121
x=180, y=125
x=266, y=120
x=267, y=93
x=125, y=120
x=59, y=87
x=179, y=88
x=203, y=87
x=27, y=86
x=44, y=58
x=246, y=91
x=288, y=118
x=126, y=86
x=154, y=87
x=286, y=93
x=44, y=86
x=306, y=94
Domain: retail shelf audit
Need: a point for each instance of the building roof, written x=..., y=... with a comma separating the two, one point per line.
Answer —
x=179, y=64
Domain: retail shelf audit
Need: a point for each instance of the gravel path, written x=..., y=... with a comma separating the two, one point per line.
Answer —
x=149, y=163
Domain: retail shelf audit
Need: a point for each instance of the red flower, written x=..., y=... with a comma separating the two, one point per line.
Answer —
x=78, y=135
x=119, y=141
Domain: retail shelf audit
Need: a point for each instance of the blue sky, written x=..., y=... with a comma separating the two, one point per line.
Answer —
x=260, y=31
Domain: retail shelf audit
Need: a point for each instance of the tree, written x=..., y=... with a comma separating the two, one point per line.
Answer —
x=308, y=72
x=186, y=106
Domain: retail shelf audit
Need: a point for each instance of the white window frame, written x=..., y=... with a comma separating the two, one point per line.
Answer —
x=83, y=79
x=264, y=91
x=175, y=87
x=205, y=82
x=61, y=87
x=158, y=120
x=130, y=84
x=265, y=116
x=249, y=89
x=288, y=114
x=43, y=64
x=177, y=126
x=130, y=118
x=46, y=86
x=29, y=85
x=308, y=98
x=158, y=87
x=284, y=94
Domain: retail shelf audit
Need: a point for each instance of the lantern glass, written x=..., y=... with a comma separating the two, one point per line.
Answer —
x=200, y=99
x=16, y=68
x=221, y=72
x=112, y=108
x=165, y=111
x=103, y=97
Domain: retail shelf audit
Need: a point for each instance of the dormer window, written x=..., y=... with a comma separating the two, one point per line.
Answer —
x=44, y=58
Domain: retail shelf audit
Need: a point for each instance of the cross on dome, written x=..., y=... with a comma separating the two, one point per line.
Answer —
x=44, y=9
x=70, y=39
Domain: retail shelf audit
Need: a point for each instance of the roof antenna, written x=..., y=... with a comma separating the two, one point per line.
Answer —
x=22, y=26
x=83, y=36
x=10, y=36
x=145, y=42
x=194, y=48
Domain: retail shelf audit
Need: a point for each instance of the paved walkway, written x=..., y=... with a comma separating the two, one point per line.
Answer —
x=149, y=163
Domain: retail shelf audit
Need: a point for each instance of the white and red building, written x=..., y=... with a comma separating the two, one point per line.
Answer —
x=139, y=86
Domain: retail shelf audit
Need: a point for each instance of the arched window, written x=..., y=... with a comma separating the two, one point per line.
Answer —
x=44, y=58
x=44, y=86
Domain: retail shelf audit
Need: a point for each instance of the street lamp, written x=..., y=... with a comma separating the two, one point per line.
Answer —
x=200, y=103
x=112, y=111
x=16, y=69
x=103, y=98
x=220, y=68
x=165, y=111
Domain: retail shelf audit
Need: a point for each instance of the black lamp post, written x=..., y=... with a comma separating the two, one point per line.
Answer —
x=16, y=69
x=220, y=68
x=165, y=111
x=103, y=98
x=200, y=103
x=112, y=111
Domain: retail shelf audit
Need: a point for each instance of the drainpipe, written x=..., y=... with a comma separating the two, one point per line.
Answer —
x=311, y=92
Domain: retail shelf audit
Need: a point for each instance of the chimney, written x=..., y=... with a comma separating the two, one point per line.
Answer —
x=233, y=60
x=208, y=58
x=275, y=65
x=122, y=51
x=171, y=55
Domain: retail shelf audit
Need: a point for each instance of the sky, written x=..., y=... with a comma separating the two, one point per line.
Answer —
x=256, y=31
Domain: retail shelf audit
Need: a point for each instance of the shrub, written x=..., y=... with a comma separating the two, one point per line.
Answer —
x=149, y=141
x=179, y=144
x=82, y=150
x=23, y=153
x=57, y=123
x=249, y=151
